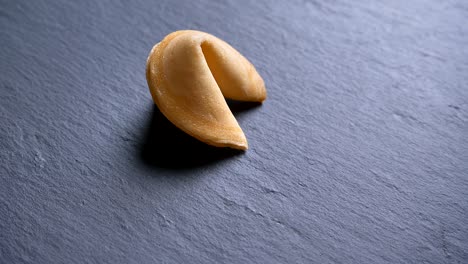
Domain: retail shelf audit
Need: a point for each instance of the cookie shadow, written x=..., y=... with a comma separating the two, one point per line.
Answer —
x=166, y=146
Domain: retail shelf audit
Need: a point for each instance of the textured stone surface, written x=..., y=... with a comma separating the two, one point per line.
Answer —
x=359, y=155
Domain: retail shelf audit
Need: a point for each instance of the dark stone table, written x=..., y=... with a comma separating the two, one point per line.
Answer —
x=359, y=154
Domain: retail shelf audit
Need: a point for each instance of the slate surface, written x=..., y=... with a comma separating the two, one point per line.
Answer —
x=359, y=155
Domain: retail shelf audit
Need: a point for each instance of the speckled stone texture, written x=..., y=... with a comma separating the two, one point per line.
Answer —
x=359, y=154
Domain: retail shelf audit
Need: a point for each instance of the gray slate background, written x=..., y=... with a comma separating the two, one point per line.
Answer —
x=359, y=155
